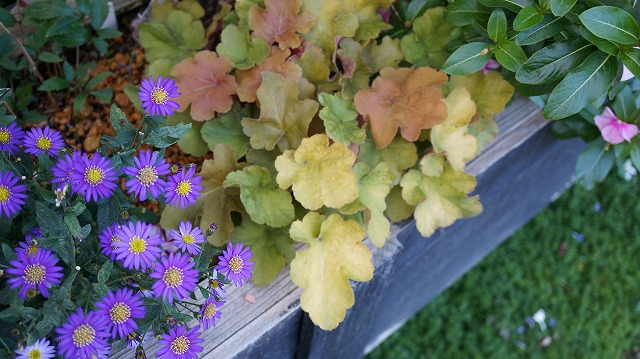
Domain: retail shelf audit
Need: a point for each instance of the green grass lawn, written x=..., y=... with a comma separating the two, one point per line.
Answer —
x=578, y=260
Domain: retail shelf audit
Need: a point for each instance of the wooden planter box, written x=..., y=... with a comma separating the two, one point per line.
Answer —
x=519, y=173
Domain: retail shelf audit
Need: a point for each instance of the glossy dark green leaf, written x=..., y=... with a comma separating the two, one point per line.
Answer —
x=99, y=13
x=554, y=62
x=575, y=126
x=7, y=18
x=631, y=59
x=54, y=84
x=42, y=10
x=167, y=136
x=527, y=17
x=497, y=24
x=602, y=44
x=513, y=5
x=467, y=59
x=624, y=105
x=548, y=27
x=561, y=7
x=462, y=13
x=635, y=152
x=105, y=271
x=510, y=56
x=594, y=163
x=583, y=85
x=611, y=23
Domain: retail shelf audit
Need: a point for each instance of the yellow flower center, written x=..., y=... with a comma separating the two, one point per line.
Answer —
x=173, y=277
x=83, y=335
x=187, y=239
x=137, y=245
x=43, y=143
x=180, y=345
x=214, y=284
x=183, y=188
x=236, y=263
x=94, y=175
x=34, y=273
x=31, y=293
x=120, y=313
x=32, y=251
x=159, y=96
x=5, y=136
x=147, y=176
x=113, y=240
x=209, y=311
x=5, y=194
x=35, y=354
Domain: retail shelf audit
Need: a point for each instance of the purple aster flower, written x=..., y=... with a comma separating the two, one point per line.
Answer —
x=83, y=337
x=138, y=247
x=183, y=188
x=10, y=137
x=216, y=286
x=39, y=141
x=12, y=194
x=189, y=238
x=121, y=309
x=107, y=241
x=41, y=349
x=95, y=178
x=146, y=175
x=133, y=340
x=35, y=272
x=234, y=264
x=64, y=170
x=175, y=277
x=156, y=96
x=180, y=343
x=27, y=247
x=209, y=312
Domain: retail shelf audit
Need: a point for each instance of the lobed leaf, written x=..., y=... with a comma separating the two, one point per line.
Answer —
x=250, y=80
x=242, y=51
x=180, y=36
x=340, y=119
x=427, y=45
x=280, y=22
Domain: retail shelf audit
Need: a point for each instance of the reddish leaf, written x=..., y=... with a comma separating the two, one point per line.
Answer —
x=250, y=80
x=404, y=98
x=205, y=83
x=280, y=22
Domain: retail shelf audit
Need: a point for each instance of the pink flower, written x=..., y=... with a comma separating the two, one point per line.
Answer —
x=613, y=130
x=491, y=65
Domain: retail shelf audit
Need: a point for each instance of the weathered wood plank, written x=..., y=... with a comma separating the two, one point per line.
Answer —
x=514, y=185
x=507, y=170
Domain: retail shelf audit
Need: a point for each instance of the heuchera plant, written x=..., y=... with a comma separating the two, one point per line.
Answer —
x=86, y=272
x=327, y=120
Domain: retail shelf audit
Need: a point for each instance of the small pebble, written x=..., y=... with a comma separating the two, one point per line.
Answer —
x=249, y=298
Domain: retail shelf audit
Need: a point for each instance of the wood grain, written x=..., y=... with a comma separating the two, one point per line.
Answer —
x=518, y=173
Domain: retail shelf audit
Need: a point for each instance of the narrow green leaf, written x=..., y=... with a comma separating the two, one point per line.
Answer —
x=54, y=84
x=9, y=254
x=73, y=225
x=100, y=45
x=99, y=13
x=594, y=163
x=602, y=44
x=96, y=80
x=69, y=73
x=119, y=120
x=50, y=57
x=462, y=13
x=467, y=59
x=549, y=26
x=513, y=5
x=78, y=102
x=105, y=271
x=631, y=59
x=527, y=17
x=561, y=7
x=510, y=56
x=497, y=24
x=42, y=10
x=103, y=95
x=7, y=18
x=63, y=26
x=611, y=23
x=625, y=105
x=583, y=85
x=553, y=62
x=109, y=33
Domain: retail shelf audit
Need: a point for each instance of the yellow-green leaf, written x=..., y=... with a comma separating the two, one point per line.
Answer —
x=261, y=197
x=340, y=119
x=355, y=75
x=180, y=36
x=284, y=120
x=386, y=54
x=319, y=174
x=397, y=209
x=426, y=46
x=192, y=141
x=335, y=255
x=489, y=91
x=161, y=10
x=228, y=129
x=452, y=137
x=314, y=64
x=242, y=51
x=272, y=248
x=439, y=193
x=374, y=188
x=400, y=153
x=484, y=130
x=215, y=204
